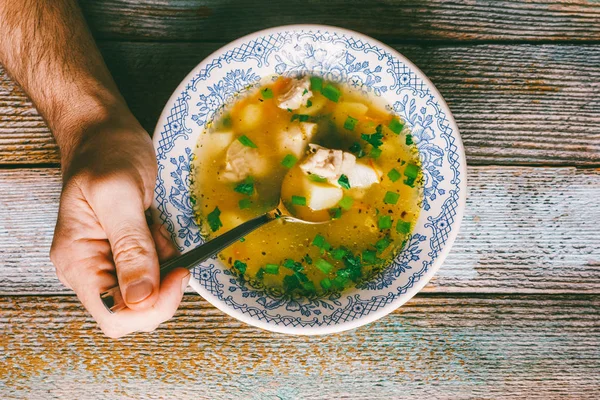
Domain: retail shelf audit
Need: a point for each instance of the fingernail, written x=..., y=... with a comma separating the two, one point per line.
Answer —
x=138, y=291
x=184, y=282
x=165, y=232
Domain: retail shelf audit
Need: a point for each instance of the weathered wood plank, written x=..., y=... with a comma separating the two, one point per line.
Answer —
x=526, y=347
x=526, y=230
x=526, y=105
x=212, y=20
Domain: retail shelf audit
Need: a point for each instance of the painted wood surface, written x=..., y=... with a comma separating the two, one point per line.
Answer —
x=514, y=312
x=451, y=347
x=526, y=230
x=514, y=104
x=442, y=20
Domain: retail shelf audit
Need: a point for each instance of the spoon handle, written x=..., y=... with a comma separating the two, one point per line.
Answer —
x=113, y=299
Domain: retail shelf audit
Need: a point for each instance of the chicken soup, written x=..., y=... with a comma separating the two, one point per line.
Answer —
x=330, y=153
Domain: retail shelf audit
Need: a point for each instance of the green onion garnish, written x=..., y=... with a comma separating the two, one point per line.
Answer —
x=290, y=282
x=260, y=274
x=246, y=187
x=289, y=161
x=410, y=182
x=411, y=171
x=300, y=117
x=290, y=264
x=385, y=222
x=301, y=276
x=369, y=256
x=316, y=83
x=325, y=283
x=382, y=244
x=240, y=266
x=391, y=198
x=319, y=241
x=346, y=202
x=396, y=126
x=394, y=175
x=227, y=121
x=309, y=286
x=402, y=227
x=357, y=149
x=294, y=266
x=323, y=266
x=308, y=259
x=375, y=153
x=331, y=92
x=344, y=273
x=299, y=200
x=336, y=213
x=308, y=104
x=247, y=142
x=373, y=139
x=340, y=282
x=242, y=239
x=344, y=182
x=244, y=203
x=317, y=178
x=213, y=219
x=272, y=269
x=350, y=123
x=267, y=93
x=409, y=139
x=338, y=254
x=304, y=92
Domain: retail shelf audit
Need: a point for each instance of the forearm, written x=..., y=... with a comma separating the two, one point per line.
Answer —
x=46, y=47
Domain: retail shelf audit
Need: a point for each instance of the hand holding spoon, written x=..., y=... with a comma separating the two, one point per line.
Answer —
x=113, y=299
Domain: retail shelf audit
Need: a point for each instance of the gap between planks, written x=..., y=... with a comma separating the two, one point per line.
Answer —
x=514, y=105
x=436, y=347
x=210, y=20
x=526, y=230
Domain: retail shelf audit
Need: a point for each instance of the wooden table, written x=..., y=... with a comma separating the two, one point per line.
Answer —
x=513, y=312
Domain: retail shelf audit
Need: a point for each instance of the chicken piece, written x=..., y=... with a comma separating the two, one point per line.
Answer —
x=242, y=161
x=295, y=139
x=323, y=162
x=327, y=163
x=331, y=164
x=296, y=96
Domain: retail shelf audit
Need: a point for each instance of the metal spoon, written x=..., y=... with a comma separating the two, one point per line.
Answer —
x=113, y=299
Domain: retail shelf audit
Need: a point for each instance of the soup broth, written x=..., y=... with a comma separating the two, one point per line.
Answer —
x=330, y=153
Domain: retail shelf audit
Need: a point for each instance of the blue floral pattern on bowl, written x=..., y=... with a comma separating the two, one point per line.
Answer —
x=341, y=56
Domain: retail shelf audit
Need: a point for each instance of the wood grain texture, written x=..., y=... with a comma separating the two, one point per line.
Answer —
x=525, y=105
x=526, y=230
x=213, y=20
x=525, y=347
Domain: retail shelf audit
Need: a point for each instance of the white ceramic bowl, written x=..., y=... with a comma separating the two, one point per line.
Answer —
x=338, y=55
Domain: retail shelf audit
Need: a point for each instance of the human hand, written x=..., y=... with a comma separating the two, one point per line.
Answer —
x=109, y=180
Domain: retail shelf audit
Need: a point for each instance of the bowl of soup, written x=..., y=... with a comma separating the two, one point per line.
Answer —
x=342, y=130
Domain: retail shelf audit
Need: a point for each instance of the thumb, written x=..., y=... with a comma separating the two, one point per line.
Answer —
x=121, y=214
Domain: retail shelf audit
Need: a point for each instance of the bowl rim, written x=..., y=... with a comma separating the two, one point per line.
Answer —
x=411, y=292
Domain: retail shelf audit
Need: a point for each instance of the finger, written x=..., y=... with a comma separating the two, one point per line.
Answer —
x=120, y=210
x=127, y=321
x=162, y=240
